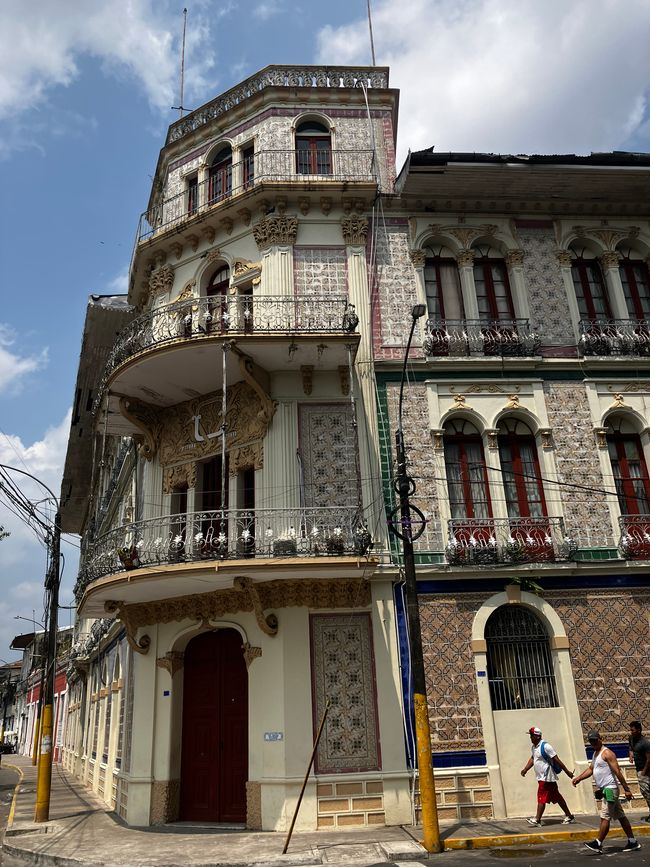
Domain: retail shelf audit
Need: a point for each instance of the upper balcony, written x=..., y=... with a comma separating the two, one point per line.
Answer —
x=634, y=543
x=605, y=337
x=461, y=338
x=508, y=541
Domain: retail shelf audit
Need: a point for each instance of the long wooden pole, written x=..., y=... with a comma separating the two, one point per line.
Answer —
x=304, y=784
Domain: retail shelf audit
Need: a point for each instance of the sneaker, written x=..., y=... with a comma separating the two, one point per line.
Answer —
x=568, y=820
x=631, y=847
x=533, y=821
x=594, y=846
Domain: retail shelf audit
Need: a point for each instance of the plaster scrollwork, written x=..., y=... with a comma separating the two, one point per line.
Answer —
x=267, y=623
x=251, y=653
x=179, y=477
x=355, y=230
x=607, y=236
x=147, y=420
x=467, y=234
x=123, y=613
x=243, y=457
x=171, y=662
x=161, y=280
x=418, y=258
x=479, y=388
x=187, y=291
x=256, y=378
x=275, y=230
x=213, y=256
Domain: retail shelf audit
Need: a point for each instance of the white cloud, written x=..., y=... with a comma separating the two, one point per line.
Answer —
x=267, y=9
x=22, y=557
x=119, y=285
x=14, y=367
x=509, y=76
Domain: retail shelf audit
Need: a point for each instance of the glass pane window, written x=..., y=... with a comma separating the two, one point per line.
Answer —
x=591, y=294
x=493, y=289
x=636, y=286
x=442, y=286
x=467, y=478
x=522, y=481
x=630, y=474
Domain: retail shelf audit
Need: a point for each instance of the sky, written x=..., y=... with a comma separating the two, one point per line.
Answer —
x=86, y=89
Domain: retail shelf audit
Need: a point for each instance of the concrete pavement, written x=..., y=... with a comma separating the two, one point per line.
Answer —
x=82, y=831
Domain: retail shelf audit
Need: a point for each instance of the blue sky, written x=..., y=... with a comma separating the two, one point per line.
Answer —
x=86, y=88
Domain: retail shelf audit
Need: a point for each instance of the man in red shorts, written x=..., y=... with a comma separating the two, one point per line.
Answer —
x=547, y=766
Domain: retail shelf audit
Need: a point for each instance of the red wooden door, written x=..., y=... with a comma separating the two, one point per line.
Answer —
x=214, y=762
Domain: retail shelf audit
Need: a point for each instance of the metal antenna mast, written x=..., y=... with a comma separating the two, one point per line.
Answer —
x=180, y=105
x=372, y=41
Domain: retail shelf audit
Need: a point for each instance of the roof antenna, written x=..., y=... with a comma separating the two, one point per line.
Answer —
x=180, y=106
x=372, y=42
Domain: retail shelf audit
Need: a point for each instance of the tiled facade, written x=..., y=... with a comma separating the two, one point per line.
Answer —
x=350, y=804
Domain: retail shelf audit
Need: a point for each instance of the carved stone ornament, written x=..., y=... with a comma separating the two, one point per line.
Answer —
x=187, y=292
x=317, y=593
x=245, y=216
x=251, y=653
x=479, y=388
x=209, y=234
x=546, y=436
x=459, y=400
x=438, y=437
x=171, y=662
x=619, y=400
x=466, y=234
x=325, y=204
x=465, y=258
x=275, y=230
x=609, y=259
x=147, y=421
x=177, y=249
x=179, y=477
x=355, y=230
x=418, y=258
x=304, y=205
x=600, y=434
x=307, y=372
x=193, y=241
x=227, y=225
x=245, y=457
x=161, y=280
x=514, y=258
x=607, y=236
x=344, y=379
x=564, y=258
x=513, y=401
x=492, y=438
x=245, y=271
x=123, y=613
x=213, y=255
x=267, y=623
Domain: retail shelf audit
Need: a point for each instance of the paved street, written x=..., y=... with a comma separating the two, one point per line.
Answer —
x=8, y=780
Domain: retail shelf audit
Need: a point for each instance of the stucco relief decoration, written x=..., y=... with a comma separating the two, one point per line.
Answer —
x=178, y=477
x=251, y=653
x=187, y=292
x=600, y=433
x=546, y=436
x=459, y=401
x=343, y=673
x=161, y=280
x=607, y=236
x=171, y=662
x=619, y=400
x=213, y=256
x=492, y=438
x=244, y=270
x=609, y=259
x=513, y=401
x=147, y=421
x=418, y=258
x=479, y=388
x=355, y=230
x=466, y=235
x=275, y=230
x=193, y=429
x=465, y=258
x=515, y=258
x=124, y=613
x=438, y=437
x=268, y=623
x=564, y=258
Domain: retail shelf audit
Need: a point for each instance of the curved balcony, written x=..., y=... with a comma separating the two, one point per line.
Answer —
x=615, y=337
x=265, y=167
x=634, y=543
x=461, y=338
x=231, y=534
x=507, y=541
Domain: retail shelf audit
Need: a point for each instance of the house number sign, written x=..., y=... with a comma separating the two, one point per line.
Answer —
x=273, y=736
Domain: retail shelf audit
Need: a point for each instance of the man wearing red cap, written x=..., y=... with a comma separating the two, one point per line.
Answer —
x=547, y=766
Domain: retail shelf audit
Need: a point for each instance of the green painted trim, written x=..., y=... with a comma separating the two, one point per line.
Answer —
x=589, y=555
x=386, y=462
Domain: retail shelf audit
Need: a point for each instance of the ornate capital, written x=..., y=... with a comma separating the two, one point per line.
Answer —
x=171, y=662
x=465, y=258
x=546, y=436
x=355, y=230
x=514, y=258
x=564, y=258
x=609, y=259
x=438, y=436
x=492, y=434
x=275, y=230
x=251, y=653
x=417, y=257
x=162, y=279
x=600, y=433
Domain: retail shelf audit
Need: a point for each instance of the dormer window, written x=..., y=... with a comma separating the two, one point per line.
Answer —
x=220, y=177
x=313, y=148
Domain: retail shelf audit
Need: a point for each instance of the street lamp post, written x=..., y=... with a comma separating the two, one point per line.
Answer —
x=408, y=530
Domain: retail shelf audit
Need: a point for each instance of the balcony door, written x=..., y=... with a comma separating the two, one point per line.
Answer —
x=444, y=299
x=628, y=468
x=216, y=315
x=636, y=287
x=220, y=176
x=313, y=149
x=492, y=286
x=590, y=289
x=467, y=484
x=214, y=749
x=214, y=505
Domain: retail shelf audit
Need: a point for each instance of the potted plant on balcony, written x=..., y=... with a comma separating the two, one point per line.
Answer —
x=128, y=555
x=285, y=545
x=335, y=542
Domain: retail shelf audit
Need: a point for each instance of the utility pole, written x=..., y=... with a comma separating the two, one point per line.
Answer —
x=408, y=531
x=44, y=774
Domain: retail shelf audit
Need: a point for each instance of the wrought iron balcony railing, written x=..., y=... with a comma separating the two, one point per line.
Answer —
x=231, y=534
x=261, y=167
x=483, y=337
x=232, y=315
x=634, y=543
x=507, y=541
x=615, y=337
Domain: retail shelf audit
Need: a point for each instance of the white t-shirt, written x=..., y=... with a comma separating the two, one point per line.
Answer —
x=543, y=769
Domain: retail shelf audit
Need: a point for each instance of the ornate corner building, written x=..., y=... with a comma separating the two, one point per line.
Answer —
x=230, y=466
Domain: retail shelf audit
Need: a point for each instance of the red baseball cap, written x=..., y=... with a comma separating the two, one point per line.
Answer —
x=534, y=731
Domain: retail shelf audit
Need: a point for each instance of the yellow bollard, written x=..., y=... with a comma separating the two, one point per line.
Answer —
x=44, y=774
x=430, y=826
x=37, y=729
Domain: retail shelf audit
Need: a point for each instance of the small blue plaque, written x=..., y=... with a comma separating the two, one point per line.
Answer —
x=480, y=673
x=165, y=692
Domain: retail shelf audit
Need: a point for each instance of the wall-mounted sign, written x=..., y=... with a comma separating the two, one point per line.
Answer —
x=273, y=736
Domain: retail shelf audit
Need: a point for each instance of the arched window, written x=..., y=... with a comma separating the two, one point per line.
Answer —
x=628, y=467
x=636, y=283
x=467, y=481
x=220, y=176
x=492, y=285
x=589, y=285
x=313, y=148
x=217, y=318
x=522, y=481
x=520, y=669
x=442, y=285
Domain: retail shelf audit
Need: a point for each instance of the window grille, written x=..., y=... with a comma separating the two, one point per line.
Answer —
x=520, y=669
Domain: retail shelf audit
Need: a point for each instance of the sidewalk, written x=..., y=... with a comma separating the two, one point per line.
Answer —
x=82, y=831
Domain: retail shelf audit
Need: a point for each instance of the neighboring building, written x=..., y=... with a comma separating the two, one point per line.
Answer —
x=526, y=424
x=9, y=676
x=227, y=486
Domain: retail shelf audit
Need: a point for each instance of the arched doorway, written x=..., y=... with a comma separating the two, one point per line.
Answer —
x=214, y=759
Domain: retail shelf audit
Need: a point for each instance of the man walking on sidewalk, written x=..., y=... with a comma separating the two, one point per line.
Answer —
x=547, y=766
x=607, y=775
x=640, y=755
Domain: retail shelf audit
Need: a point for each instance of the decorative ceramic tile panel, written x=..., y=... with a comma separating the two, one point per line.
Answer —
x=549, y=307
x=328, y=448
x=395, y=286
x=320, y=271
x=343, y=672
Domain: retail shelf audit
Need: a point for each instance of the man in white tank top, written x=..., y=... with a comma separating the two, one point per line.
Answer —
x=607, y=775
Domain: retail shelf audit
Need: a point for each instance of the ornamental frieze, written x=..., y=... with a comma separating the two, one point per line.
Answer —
x=179, y=477
x=275, y=230
x=355, y=230
x=161, y=280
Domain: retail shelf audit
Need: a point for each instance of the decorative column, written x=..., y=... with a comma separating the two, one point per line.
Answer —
x=418, y=258
x=609, y=263
x=564, y=261
x=275, y=237
x=465, y=259
x=355, y=234
x=515, y=262
x=281, y=478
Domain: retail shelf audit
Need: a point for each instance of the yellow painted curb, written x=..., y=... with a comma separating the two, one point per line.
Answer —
x=12, y=809
x=536, y=838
